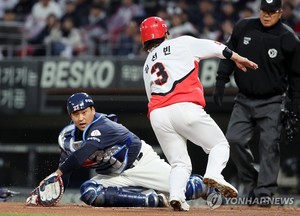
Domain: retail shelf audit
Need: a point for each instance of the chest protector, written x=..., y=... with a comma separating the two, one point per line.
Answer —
x=110, y=160
x=66, y=140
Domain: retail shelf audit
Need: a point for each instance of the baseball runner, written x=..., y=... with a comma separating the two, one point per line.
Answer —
x=176, y=105
x=129, y=172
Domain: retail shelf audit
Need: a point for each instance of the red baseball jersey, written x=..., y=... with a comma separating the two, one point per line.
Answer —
x=171, y=71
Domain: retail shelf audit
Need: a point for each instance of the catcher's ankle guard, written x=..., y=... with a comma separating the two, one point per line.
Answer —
x=195, y=188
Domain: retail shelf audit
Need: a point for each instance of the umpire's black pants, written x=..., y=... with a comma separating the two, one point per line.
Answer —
x=246, y=115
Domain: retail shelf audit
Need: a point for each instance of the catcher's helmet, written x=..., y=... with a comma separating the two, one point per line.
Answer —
x=79, y=101
x=153, y=28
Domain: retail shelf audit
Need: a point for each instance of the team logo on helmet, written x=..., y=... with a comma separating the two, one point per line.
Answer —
x=76, y=107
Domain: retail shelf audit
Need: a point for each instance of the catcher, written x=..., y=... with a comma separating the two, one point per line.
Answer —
x=129, y=172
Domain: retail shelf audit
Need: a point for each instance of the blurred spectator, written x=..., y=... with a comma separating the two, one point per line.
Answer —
x=202, y=16
x=297, y=8
x=104, y=3
x=246, y=12
x=66, y=41
x=295, y=16
x=41, y=41
x=288, y=14
x=83, y=8
x=162, y=13
x=8, y=16
x=6, y=5
x=151, y=7
x=227, y=11
x=128, y=43
x=249, y=6
x=70, y=12
x=210, y=29
x=196, y=15
x=63, y=4
x=138, y=48
x=125, y=13
x=183, y=4
x=10, y=34
x=39, y=13
x=94, y=29
x=226, y=30
x=181, y=26
x=23, y=9
x=177, y=7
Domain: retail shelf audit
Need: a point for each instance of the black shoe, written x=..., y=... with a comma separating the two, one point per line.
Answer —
x=251, y=199
x=179, y=206
x=264, y=201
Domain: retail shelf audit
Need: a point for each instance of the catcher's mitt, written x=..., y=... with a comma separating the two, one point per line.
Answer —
x=48, y=193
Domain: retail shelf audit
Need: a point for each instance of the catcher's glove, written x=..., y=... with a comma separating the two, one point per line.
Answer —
x=48, y=193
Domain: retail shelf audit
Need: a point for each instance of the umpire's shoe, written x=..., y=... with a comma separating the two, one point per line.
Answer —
x=264, y=200
x=251, y=199
x=226, y=189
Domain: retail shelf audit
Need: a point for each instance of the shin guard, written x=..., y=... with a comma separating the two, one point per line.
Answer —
x=119, y=197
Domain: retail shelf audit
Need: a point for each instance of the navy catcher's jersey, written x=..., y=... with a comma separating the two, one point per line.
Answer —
x=101, y=135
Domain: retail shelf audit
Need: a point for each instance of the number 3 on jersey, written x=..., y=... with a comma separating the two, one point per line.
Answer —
x=161, y=73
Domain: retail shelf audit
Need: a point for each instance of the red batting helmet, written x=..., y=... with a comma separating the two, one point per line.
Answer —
x=153, y=28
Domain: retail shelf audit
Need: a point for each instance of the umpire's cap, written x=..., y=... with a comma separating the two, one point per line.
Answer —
x=270, y=5
x=79, y=101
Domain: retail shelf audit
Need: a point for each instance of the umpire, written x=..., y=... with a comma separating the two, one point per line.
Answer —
x=275, y=48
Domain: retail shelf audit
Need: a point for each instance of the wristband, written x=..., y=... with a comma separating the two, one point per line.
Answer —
x=227, y=53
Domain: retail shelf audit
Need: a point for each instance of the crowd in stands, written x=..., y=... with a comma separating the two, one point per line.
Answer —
x=69, y=28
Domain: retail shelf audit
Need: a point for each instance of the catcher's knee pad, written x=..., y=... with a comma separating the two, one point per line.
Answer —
x=195, y=188
x=87, y=184
x=89, y=191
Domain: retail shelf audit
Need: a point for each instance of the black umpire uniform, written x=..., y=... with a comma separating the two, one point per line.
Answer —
x=258, y=103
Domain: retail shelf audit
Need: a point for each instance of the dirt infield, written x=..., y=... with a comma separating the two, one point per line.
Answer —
x=81, y=209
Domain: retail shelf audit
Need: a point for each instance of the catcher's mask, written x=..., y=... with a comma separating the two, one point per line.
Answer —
x=79, y=101
x=153, y=28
